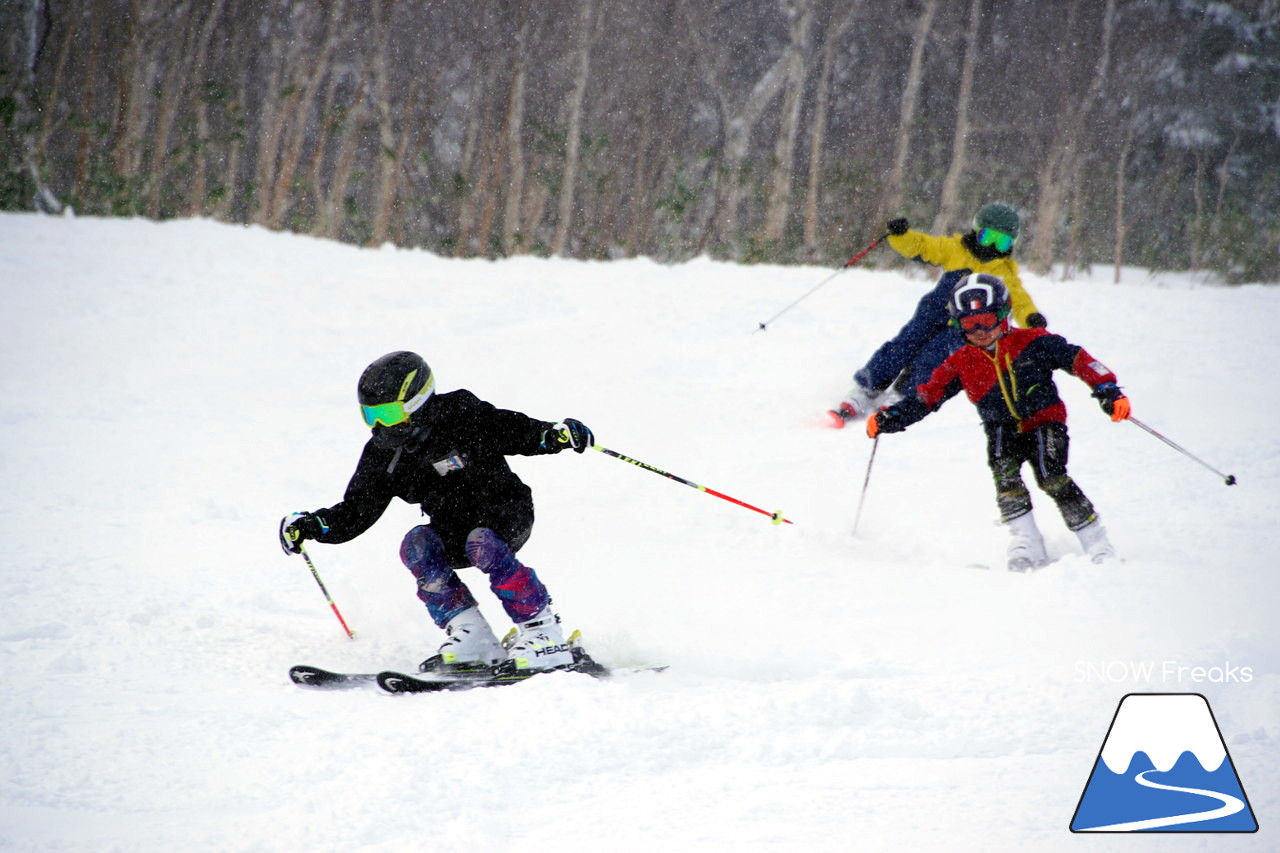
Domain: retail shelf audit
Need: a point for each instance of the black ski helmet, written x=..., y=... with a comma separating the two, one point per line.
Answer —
x=393, y=387
x=978, y=293
x=998, y=217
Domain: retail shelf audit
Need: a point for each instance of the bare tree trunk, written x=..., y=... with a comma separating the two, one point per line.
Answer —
x=332, y=210
x=270, y=127
x=132, y=84
x=199, y=70
x=738, y=122
x=513, y=135
x=329, y=122
x=50, y=107
x=174, y=89
x=226, y=204
x=317, y=71
x=907, y=112
x=642, y=182
x=487, y=198
x=391, y=149
x=564, y=213
x=1197, y=221
x=818, y=133
x=1061, y=168
x=83, y=139
x=949, y=199
x=474, y=156
x=1122, y=171
x=1224, y=175
x=1073, y=234
x=20, y=128
x=778, y=203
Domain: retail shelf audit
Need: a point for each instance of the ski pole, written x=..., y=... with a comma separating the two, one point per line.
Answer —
x=351, y=635
x=866, y=482
x=844, y=267
x=776, y=516
x=1229, y=479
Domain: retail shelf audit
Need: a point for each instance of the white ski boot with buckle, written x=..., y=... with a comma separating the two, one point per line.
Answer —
x=539, y=643
x=1093, y=538
x=471, y=645
x=1026, y=545
x=856, y=404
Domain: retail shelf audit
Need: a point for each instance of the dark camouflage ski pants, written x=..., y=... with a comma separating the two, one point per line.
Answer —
x=1045, y=449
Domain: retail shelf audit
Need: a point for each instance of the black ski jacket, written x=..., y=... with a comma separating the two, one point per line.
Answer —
x=456, y=471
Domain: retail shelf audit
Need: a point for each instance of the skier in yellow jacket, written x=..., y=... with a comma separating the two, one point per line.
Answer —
x=927, y=339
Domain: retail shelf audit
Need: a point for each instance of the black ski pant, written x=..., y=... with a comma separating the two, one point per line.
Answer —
x=1045, y=449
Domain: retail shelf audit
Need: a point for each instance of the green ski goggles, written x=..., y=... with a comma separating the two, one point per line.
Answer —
x=991, y=237
x=398, y=411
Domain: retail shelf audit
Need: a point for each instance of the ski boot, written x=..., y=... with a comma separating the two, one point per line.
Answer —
x=1026, y=545
x=539, y=643
x=856, y=404
x=471, y=646
x=1093, y=538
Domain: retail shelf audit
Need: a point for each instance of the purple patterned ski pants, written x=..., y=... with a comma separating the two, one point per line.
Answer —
x=439, y=587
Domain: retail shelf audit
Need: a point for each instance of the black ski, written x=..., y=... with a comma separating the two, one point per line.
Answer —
x=425, y=682
x=442, y=681
x=314, y=676
x=498, y=676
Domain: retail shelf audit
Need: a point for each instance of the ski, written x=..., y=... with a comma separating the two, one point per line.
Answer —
x=400, y=682
x=498, y=676
x=324, y=679
x=435, y=682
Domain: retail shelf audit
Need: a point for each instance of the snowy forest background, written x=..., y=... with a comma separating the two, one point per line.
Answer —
x=1144, y=132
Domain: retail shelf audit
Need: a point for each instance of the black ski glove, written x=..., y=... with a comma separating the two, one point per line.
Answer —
x=297, y=526
x=569, y=433
x=888, y=419
x=1112, y=400
x=1036, y=321
x=898, y=226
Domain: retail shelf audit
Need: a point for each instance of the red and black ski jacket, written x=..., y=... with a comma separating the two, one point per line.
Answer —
x=1010, y=384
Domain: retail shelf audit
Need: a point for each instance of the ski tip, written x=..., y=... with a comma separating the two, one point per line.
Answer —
x=313, y=676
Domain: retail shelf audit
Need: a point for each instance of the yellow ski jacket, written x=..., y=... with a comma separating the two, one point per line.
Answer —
x=950, y=254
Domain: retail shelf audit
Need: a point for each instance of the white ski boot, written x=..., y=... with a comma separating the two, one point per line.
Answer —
x=856, y=404
x=471, y=645
x=539, y=644
x=1026, y=545
x=1093, y=538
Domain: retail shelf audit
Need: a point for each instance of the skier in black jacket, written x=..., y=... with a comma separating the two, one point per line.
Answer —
x=446, y=452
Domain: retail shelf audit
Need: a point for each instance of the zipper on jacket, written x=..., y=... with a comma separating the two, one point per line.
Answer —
x=1010, y=394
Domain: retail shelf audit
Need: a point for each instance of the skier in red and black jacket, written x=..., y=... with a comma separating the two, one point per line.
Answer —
x=447, y=453
x=1008, y=374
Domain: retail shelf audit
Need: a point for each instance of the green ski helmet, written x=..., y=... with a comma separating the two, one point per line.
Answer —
x=997, y=225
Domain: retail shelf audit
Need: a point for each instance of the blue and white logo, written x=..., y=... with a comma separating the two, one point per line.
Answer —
x=1164, y=768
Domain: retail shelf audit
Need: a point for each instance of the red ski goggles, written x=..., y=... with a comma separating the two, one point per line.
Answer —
x=991, y=237
x=980, y=322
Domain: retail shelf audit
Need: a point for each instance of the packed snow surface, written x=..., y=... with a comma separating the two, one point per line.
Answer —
x=171, y=390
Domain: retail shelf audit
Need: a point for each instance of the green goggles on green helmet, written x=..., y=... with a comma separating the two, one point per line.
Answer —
x=399, y=410
x=1001, y=241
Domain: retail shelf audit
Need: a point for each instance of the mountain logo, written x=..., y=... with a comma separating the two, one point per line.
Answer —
x=1163, y=767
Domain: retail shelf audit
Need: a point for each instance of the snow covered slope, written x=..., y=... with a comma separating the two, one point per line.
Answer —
x=171, y=390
